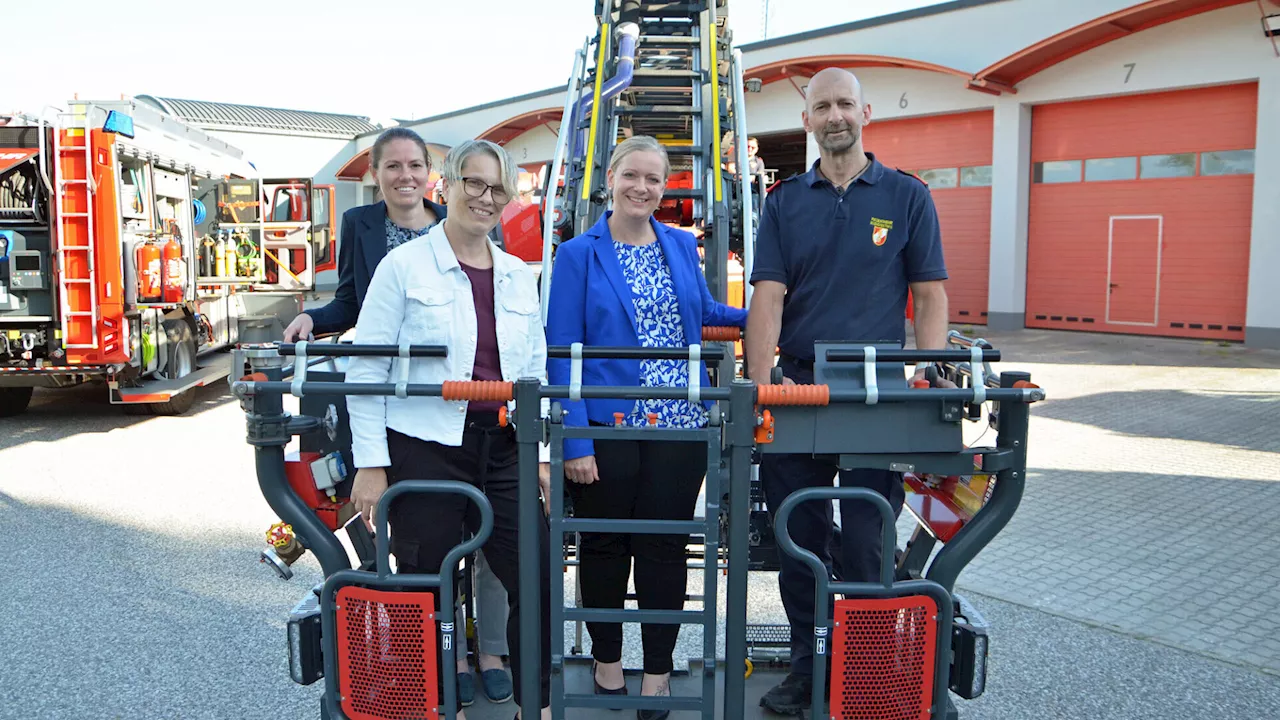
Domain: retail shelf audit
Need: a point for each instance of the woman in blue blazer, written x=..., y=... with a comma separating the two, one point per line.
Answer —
x=631, y=281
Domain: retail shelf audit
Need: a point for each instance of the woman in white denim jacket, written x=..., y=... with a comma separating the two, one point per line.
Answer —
x=452, y=287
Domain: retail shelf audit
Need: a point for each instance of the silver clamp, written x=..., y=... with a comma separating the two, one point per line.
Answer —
x=869, y=374
x=975, y=370
x=575, y=371
x=695, y=367
x=299, y=368
x=402, y=377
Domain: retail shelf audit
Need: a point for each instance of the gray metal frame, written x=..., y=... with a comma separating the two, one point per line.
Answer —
x=731, y=444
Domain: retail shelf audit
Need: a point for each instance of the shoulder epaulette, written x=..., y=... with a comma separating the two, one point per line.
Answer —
x=913, y=175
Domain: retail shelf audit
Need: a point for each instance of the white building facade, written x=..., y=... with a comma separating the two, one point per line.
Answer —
x=1098, y=165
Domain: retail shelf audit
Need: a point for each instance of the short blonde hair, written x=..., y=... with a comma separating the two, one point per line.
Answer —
x=460, y=153
x=637, y=143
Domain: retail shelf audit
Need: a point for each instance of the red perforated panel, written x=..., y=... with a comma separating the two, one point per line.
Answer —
x=387, y=657
x=882, y=658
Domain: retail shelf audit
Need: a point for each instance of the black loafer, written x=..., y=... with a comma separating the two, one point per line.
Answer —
x=600, y=690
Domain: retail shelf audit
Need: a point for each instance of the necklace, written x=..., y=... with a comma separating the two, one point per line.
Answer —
x=840, y=187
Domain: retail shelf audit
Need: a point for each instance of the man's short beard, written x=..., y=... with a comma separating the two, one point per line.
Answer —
x=839, y=146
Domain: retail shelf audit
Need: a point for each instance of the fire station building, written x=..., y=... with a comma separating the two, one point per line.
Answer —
x=1098, y=165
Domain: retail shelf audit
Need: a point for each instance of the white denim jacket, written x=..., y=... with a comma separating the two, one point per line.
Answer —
x=419, y=294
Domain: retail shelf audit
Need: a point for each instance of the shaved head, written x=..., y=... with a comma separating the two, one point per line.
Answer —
x=834, y=111
x=832, y=77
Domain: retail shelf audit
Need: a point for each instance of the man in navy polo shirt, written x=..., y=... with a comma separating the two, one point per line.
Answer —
x=838, y=249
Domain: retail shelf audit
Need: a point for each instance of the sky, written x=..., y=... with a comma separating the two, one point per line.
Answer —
x=382, y=59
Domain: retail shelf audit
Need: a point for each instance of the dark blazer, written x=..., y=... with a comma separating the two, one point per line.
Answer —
x=592, y=303
x=362, y=243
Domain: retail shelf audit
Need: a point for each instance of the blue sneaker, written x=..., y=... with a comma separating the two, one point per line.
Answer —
x=497, y=685
x=466, y=689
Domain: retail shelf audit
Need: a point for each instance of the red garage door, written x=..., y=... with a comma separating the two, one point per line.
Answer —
x=1140, y=213
x=953, y=154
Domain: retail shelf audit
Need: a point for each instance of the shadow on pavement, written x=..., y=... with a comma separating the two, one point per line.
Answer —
x=59, y=413
x=1246, y=420
x=1065, y=347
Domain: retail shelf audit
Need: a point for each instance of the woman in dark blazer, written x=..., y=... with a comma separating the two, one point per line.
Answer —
x=631, y=281
x=400, y=169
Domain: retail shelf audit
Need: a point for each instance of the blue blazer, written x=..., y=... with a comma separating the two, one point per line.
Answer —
x=362, y=243
x=591, y=303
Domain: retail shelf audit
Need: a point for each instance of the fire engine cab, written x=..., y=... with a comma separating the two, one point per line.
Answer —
x=133, y=247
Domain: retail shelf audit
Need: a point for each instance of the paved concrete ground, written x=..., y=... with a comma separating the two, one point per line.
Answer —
x=1154, y=479
x=1136, y=581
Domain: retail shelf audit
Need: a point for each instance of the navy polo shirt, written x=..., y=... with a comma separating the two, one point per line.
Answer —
x=847, y=259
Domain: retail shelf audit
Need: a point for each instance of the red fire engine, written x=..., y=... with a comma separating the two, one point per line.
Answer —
x=134, y=246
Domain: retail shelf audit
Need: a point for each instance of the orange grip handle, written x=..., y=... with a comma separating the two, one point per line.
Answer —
x=793, y=395
x=486, y=390
x=721, y=333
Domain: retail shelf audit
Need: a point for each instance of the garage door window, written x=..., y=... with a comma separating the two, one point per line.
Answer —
x=975, y=176
x=1168, y=166
x=939, y=177
x=1057, y=171
x=1101, y=169
x=1228, y=162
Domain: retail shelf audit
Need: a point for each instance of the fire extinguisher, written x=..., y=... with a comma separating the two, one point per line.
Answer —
x=148, y=265
x=175, y=271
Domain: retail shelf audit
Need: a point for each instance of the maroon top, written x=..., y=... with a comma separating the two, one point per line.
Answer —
x=487, y=365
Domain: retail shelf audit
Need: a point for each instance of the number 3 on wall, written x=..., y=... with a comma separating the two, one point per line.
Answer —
x=902, y=101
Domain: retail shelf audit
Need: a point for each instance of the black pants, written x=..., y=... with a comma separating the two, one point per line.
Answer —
x=652, y=480
x=811, y=527
x=425, y=527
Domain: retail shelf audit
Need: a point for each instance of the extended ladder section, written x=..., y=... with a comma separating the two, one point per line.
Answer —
x=73, y=195
x=663, y=69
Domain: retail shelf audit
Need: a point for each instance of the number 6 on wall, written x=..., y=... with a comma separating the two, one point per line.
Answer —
x=902, y=101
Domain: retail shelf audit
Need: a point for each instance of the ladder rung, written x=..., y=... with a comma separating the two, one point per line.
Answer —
x=75, y=181
x=78, y=313
x=75, y=247
x=683, y=193
x=71, y=148
x=668, y=40
x=685, y=150
x=661, y=73
x=659, y=617
x=75, y=215
x=639, y=527
x=656, y=110
x=78, y=281
x=624, y=702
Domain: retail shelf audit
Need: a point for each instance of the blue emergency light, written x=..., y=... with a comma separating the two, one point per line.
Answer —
x=119, y=123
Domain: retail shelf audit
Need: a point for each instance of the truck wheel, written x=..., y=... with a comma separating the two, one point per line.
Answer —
x=182, y=362
x=14, y=400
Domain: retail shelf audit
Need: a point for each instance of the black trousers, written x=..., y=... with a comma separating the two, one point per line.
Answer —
x=425, y=527
x=651, y=480
x=811, y=527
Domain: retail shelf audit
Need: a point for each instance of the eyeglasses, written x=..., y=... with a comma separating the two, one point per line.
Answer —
x=475, y=187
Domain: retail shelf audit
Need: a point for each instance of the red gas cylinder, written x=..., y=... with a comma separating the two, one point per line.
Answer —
x=174, y=271
x=148, y=265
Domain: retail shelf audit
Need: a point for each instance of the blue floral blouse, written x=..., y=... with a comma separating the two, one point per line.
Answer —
x=658, y=321
x=397, y=236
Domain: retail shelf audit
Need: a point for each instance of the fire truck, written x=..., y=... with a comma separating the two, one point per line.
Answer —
x=135, y=247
